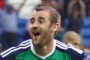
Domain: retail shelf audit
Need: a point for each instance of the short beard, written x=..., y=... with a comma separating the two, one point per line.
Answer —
x=45, y=39
x=38, y=46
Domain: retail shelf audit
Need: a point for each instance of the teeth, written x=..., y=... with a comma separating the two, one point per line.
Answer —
x=34, y=32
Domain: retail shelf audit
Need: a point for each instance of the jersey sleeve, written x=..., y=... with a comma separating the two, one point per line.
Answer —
x=11, y=53
x=75, y=54
x=1, y=57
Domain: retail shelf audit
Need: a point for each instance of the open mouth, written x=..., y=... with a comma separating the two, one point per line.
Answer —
x=36, y=33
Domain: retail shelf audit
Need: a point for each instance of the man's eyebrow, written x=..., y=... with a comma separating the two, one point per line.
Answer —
x=31, y=18
x=41, y=17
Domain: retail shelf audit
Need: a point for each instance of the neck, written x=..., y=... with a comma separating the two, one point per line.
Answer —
x=44, y=50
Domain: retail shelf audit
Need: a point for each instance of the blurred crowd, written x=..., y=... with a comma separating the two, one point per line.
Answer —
x=14, y=29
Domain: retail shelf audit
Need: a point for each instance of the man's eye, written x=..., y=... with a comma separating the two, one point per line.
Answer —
x=40, y=21
x=32, y=21
x=75, y=43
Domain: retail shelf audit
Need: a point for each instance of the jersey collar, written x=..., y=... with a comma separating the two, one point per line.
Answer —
x=43, y=57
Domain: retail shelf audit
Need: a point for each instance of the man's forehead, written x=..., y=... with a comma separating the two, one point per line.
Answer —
x=38, y=12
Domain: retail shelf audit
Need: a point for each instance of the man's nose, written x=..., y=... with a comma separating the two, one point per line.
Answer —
x=35, y=25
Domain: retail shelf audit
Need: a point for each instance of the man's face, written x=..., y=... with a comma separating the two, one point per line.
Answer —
x=9, y=8
x=40, y=29
x=75, y=43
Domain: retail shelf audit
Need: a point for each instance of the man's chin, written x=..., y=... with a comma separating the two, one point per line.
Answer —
x=37, y=45
x=35, y=42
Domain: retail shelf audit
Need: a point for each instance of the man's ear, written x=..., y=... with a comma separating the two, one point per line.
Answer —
x=55, y=26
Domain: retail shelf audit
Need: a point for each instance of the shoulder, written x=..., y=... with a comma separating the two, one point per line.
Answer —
x=60, y=45
x=74, y=53
x=12, y=52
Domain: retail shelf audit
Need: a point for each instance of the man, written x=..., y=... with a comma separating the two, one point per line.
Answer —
x=9, y=25
x=44, y=24
x=73, y=38
x=54, y=4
